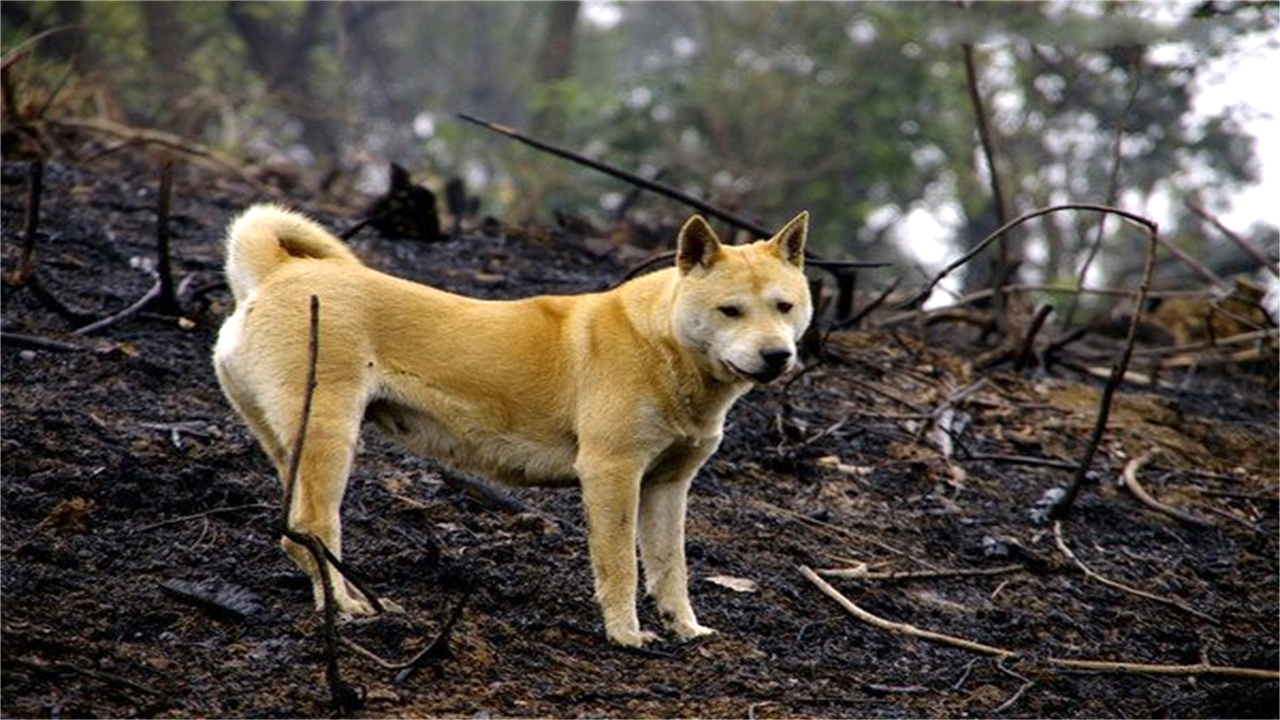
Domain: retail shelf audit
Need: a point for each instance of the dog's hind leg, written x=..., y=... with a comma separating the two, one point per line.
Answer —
x=328, y=452
x=663, y=504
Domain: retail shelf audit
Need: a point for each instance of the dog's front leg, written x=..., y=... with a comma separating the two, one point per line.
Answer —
x=663, y=506
x=611, y=498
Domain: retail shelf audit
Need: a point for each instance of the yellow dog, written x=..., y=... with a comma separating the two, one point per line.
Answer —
x=622, y=392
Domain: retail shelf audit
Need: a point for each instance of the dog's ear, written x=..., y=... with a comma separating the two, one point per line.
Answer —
x=789, y=241
x=697, y=245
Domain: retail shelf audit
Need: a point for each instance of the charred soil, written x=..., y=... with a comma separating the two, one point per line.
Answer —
x=142, y=574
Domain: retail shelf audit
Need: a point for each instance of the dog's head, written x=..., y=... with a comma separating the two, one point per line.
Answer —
x=742, y=309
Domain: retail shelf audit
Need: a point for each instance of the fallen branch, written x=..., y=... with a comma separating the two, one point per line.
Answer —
x=863, y=573
x=999, y=652
x=1089, y=572
x=896, y=627
x=1130, y=479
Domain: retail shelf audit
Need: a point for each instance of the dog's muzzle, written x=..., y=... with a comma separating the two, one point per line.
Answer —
x=773, y=363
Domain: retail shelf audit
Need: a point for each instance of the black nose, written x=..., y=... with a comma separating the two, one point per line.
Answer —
x=775, y=359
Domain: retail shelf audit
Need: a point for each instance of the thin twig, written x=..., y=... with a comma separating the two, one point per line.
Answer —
x=840, y=532
x=897, y=627
x=124, y=314
x=201, y=154
x=857, y=317
x=196, y=516
x=1021, y=460
x=1195, y=265
x=1258, y=256
x=1203, y=668
x=1113, y=186
x=1026, y=685
x=1062, y=546
x=1130, y=479
x=105, y=677
x=862, y=573
x=437, y=649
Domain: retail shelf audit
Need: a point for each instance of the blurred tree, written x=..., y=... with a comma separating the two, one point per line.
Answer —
x=857, y=111
x=555, y=66
x=281, y=41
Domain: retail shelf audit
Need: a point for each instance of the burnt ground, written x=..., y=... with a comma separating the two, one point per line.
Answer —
x=130, y=489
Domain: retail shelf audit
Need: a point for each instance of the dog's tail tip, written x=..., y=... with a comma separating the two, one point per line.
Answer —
x=268, y=234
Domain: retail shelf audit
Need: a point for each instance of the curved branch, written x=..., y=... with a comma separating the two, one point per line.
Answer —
x=1151, y=226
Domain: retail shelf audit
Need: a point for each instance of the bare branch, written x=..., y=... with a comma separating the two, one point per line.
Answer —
x=1063, y=505
x=920, y=297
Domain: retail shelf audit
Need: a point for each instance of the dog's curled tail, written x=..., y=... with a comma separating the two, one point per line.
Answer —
x=264, y=236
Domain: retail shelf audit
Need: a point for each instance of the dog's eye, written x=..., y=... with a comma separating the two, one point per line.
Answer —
x=784, y=307
x=730, y=311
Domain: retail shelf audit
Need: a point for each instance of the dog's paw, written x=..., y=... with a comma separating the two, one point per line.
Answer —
x=391, y=606
x=632, y=638
x=691, y=630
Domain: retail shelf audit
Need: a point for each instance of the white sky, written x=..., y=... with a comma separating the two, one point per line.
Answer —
x=1251, y=82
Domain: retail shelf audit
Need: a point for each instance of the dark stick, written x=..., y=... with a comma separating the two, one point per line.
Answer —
x=343, y=697
x=30, y=225
x=998, y=281
x=25, y=275
x=1028, y=340
x=168, y=300
x=661, y=188
x=1063, y=505
x=854, y=319
x=40, y=342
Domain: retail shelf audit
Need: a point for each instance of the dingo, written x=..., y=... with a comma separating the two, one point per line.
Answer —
x=623, y=392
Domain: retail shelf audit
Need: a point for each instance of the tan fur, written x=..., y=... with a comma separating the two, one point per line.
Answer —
x=621, y=392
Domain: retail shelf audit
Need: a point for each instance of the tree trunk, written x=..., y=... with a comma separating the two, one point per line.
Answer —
x=555, y=64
